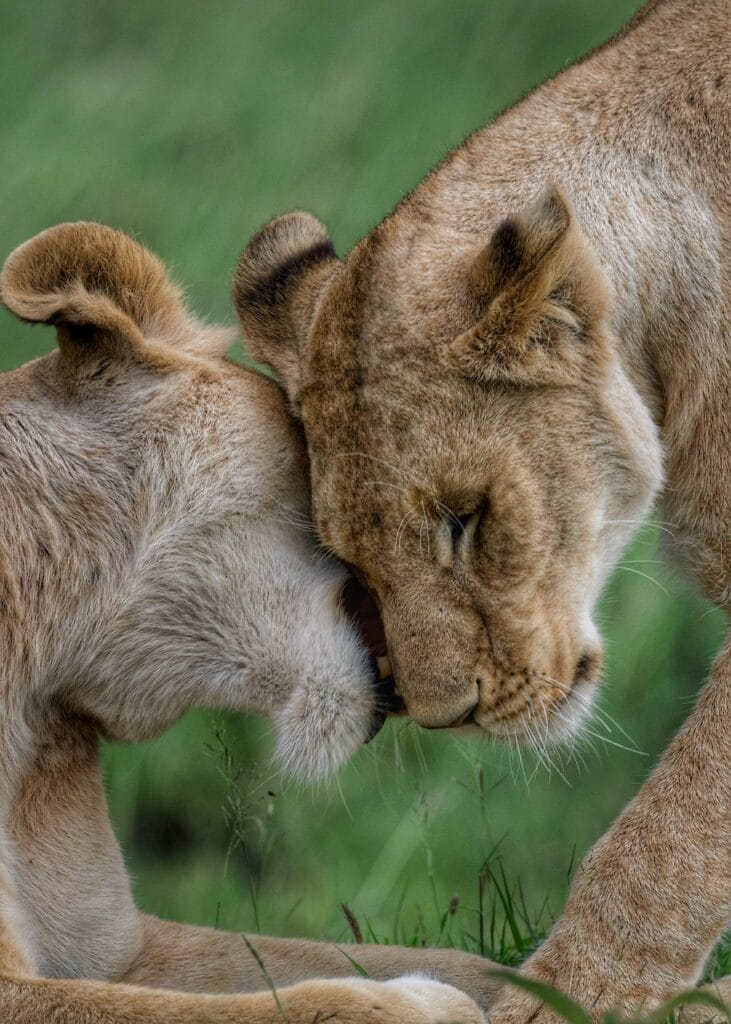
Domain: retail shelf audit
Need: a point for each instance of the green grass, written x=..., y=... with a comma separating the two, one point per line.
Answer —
x=188, y=125
x=566, y=1009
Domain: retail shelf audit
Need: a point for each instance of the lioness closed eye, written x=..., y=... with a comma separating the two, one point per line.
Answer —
x=495, y=386
x=151, y=561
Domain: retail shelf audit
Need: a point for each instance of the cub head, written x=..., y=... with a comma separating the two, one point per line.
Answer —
x=477, y=451
x=154, y=518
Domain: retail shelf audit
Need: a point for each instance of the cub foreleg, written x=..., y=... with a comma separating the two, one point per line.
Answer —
x=413, y=1000
x=194, y=959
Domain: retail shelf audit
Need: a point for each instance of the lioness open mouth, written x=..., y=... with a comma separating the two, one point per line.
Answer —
x=361, y=607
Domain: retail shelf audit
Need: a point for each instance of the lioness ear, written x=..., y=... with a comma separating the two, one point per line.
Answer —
x=279, y=277
x=99, y=287
x=542, y=294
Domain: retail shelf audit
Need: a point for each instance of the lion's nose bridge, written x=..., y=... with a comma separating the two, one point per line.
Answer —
x=523, y=635
x=432, y=645
x=441, y=697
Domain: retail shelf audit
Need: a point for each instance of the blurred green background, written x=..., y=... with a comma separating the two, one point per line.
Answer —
x=188, y=124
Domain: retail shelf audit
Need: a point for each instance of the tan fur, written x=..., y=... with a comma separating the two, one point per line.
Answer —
x=495, y=385
x=155, y=555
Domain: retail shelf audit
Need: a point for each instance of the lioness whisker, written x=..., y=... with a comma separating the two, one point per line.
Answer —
x=638, y=572
x=614, y=743
x=560, y=712
x=574, y=754
x=425, y=522
x=602, y=713
x=546, y=758
x=401, y=527
x=449, y=514
x=519, y=752
x=386, y=483
x=668, y=528
x=535, y=749
x=302, y=527
x=537, y=745
x=294, y=517
x=419, y=751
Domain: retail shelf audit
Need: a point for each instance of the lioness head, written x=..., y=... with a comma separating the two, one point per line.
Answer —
x=477, y=451
x=155, y=552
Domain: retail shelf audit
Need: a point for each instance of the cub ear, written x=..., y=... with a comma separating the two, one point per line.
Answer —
x=99, y=287
x=279, y=278
x=542, y=294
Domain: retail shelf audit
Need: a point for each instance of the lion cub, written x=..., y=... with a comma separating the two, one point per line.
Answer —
x=152, y=559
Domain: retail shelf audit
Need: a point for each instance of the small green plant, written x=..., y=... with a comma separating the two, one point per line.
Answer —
x=499, y=926
x=247, y=819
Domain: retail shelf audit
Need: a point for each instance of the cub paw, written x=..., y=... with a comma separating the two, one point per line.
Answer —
x=436, y=1003
x=412, y=999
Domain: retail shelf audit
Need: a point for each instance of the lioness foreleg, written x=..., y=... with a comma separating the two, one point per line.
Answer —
x=654, y=894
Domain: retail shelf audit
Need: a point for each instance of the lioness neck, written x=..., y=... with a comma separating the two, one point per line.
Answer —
x=638, y=135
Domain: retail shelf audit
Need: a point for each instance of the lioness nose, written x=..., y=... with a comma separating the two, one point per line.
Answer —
x=587, y=667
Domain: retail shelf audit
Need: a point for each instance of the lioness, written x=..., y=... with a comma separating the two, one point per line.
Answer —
x=495, y=385
x=150, y=561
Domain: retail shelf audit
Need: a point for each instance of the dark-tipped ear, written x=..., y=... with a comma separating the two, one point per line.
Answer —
x=98, y=287
x=278, y=280
x=542, y=292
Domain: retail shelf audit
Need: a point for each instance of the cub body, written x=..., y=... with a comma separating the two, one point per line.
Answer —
x=155, y=555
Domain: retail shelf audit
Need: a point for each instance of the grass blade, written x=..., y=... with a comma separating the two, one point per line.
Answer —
x=358, y=968
x=565, y=1007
